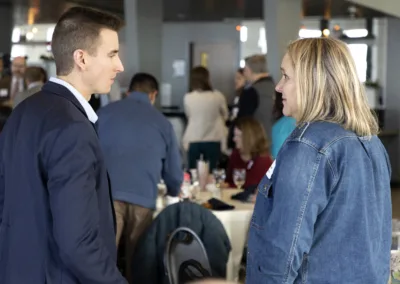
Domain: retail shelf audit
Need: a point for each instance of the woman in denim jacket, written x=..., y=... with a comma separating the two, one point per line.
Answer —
x=323, y=210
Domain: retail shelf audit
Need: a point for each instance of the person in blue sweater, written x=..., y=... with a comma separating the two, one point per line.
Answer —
x=282, y=127
x=140, y=148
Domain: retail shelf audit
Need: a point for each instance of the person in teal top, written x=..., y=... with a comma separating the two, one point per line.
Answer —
x=282, y=127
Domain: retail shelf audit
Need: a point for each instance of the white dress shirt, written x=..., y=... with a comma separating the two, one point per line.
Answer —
x=85, y=104
x=34, y=84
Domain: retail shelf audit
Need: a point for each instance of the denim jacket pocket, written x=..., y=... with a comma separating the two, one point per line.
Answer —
x=264, y=203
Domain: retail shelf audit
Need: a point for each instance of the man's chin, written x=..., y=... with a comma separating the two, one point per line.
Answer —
x=105, y=91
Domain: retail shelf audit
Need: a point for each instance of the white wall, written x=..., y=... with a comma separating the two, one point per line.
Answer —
x=256, y=42
x=252, y=44
x=392, y=92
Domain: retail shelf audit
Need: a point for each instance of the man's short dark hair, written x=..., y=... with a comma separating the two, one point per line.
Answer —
x=79, y=28
x=143, y=82
x=34, y=74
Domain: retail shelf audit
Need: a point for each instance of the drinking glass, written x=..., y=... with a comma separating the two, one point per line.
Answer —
x=219, y=176
x=195, y=188
x=239, y=177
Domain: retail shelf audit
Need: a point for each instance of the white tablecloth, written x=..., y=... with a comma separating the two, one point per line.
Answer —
x=236, y=223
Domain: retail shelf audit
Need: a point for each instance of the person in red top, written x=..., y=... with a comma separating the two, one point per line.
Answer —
x=251, y=152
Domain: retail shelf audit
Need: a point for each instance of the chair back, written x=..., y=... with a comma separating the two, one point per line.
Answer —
x=185, y=257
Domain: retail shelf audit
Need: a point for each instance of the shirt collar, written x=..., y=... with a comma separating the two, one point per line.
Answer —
x=34, y=84
x=139, y=96
x=92, y=116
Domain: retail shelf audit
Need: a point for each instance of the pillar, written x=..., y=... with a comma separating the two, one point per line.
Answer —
x=282, y=24
x=141, y=38
x=7, y=24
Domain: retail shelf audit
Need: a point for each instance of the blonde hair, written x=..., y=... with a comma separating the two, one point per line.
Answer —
x=254, y=139
x=328, y=87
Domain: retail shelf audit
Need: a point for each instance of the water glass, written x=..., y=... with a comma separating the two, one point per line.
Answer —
x=195, y=187
x=239, y=177
x=219, y=176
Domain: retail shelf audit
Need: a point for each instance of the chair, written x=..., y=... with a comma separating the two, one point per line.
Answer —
x=148, y=260
x=185, y=257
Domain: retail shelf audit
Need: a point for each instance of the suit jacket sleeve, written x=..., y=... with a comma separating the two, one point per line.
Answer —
x=70, y=164
x=248, y=102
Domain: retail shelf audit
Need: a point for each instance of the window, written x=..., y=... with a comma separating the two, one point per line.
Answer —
x=262, y=40
x=359, y=53
x=305, y=33
x=356, y=33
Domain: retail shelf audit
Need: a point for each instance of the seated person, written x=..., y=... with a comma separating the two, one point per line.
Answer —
x=251, y=152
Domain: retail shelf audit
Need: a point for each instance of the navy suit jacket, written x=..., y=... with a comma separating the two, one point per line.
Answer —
x=56, y=215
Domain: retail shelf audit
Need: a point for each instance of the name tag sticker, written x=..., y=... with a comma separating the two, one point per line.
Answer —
x=271, y=170
x=3, y=92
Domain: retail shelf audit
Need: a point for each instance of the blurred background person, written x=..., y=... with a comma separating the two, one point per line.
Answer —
x=257, y=98
x=251, y=152
x=240, y=82
x=283, y=126
x=35, y=77
x=140, y=148
x=11, y=85
x=18, y=68
x=207, y=111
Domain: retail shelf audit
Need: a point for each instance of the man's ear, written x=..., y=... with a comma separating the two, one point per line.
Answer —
x=79, y=59
x=153, y=96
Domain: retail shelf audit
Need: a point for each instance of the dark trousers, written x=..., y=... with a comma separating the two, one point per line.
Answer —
x=211, y=152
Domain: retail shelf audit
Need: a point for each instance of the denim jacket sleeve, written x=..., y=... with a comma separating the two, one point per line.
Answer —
x=287, y=208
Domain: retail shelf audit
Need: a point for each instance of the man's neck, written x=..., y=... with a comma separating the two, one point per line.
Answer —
x=77, y=84
x=31, y=85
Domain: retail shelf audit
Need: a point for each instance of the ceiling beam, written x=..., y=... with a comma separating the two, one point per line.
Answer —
x=390, y=7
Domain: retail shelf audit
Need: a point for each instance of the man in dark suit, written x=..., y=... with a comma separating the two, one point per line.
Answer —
x=56, y=215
